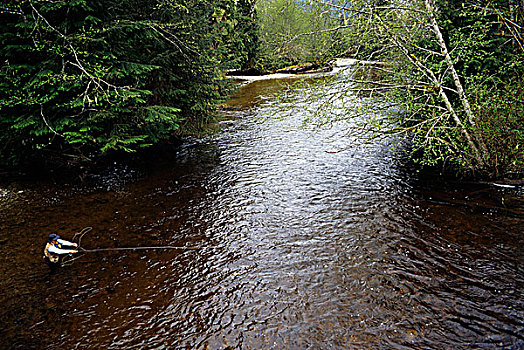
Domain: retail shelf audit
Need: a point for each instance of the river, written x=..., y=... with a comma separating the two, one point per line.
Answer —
x=303, y=245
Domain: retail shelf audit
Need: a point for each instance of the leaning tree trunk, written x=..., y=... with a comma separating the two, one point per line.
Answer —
x=474, y=138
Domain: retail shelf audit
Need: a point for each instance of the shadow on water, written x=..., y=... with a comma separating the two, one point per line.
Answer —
x=301, y=248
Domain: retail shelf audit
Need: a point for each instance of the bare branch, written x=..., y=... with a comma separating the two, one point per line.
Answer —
x=46, y=123
x=96, y=80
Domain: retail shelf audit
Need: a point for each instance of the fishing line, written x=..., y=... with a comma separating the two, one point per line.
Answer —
x=138, y=248
x=80, y=235
x=83, y=251
x=70, y=261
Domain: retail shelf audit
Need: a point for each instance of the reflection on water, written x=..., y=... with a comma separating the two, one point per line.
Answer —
x=302, y=248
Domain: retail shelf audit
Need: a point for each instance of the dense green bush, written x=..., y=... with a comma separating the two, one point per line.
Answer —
x=82, y=77
x=501, y=122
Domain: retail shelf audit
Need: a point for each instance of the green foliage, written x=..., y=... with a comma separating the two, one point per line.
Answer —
x=484, y=37
x=297, y=31
x=458, y=96
x=86, y=77
x=480, y=34
x=501, y=123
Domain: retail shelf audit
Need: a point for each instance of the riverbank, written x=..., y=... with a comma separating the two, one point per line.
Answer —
x=338, y=65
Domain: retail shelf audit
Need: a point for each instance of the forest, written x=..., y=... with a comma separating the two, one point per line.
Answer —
x=82, y=79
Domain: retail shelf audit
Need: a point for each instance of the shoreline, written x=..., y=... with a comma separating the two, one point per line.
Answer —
x=339, y=64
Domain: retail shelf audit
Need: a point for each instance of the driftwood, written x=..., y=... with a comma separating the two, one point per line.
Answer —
x=307, y=68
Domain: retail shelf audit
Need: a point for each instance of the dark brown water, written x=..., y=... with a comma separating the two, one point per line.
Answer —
x=302, y=249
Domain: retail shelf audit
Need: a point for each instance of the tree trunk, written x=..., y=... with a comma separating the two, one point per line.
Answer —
x=480, y=156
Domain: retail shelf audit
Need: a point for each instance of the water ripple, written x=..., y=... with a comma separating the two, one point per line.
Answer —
x=302, y=248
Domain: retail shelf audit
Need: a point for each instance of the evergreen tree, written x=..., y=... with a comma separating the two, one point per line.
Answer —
x=85, y=77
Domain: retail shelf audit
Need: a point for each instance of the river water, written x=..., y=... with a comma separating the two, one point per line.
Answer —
x=304, y=245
